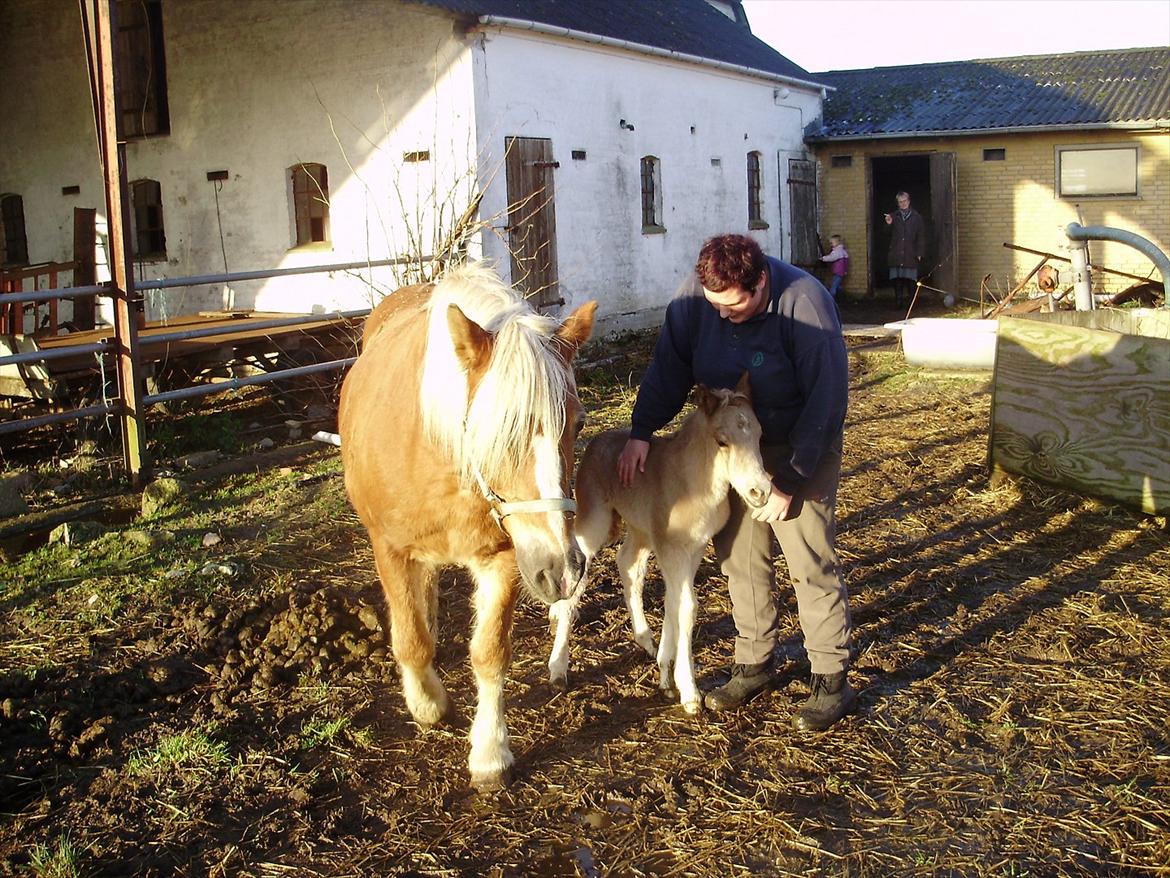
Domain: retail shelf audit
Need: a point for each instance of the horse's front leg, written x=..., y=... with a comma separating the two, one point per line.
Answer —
x=675, y=653
x=491, y=654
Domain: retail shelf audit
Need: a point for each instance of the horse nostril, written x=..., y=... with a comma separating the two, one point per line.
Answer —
x=758, y=497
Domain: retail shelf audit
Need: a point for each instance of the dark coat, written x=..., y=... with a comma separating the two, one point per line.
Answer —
x=907, y=240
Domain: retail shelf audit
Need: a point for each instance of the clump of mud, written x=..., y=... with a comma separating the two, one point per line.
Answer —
x=312, y=631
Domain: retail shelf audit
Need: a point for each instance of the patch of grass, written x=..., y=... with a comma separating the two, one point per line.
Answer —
x=333, y=733
x=185, y=752
x=55, y=861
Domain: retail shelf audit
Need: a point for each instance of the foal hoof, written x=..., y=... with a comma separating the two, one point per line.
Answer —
x=491, y=781
x=693, y=708
x=559, y=684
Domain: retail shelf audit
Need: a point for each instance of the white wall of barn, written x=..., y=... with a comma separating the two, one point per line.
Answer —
x=253, y=88
x=577, y=93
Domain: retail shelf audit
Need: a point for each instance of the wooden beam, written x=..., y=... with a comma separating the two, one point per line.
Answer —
x=113, y=158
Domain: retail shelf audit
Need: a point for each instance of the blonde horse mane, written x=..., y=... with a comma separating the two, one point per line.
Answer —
x=520, y=395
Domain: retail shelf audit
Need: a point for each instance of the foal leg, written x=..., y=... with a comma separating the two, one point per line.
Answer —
x=562, y=614
x=676, y=653
x=491, y=653
x=411, y=593
x=632, y=558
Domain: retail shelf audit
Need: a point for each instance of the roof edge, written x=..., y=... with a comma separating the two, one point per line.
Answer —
x=641, y=48
x=1152, y=125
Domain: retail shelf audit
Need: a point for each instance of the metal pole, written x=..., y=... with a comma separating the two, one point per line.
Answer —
x=113, y=156
x=1082, y=277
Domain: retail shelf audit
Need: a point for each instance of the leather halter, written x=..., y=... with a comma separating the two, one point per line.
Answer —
x=501, y=508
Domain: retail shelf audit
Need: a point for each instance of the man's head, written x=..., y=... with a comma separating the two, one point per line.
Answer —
x=903, y=199
x=731, y=270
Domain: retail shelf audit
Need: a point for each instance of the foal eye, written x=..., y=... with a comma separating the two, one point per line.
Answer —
x=721, y=441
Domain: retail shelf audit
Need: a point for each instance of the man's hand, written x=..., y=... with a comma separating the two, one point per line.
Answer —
x=776, y=509
x=632, y=460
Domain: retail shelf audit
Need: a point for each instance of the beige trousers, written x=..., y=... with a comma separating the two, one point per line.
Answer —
x=745, y=551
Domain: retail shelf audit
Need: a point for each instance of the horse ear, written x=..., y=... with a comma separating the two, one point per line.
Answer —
x=744, y=387
x=473, y=345
x=577, y=328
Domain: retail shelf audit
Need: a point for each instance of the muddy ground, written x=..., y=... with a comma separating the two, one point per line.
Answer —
x=173, y=703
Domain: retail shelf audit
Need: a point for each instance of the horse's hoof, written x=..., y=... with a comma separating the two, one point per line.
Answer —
x=492, y=781
x=670, y=693
x=646, y=641
x=559, y=684
x=693, y=708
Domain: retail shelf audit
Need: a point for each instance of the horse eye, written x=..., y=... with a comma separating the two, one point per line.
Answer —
x=721, y=441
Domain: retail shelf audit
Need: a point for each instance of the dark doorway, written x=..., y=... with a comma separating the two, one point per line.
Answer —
x=890, y=175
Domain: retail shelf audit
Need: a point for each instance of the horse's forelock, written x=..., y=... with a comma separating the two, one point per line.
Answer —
x=522, y=392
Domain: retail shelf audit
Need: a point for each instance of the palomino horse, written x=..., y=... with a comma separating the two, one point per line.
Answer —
x=457, y=424
x=672, y=509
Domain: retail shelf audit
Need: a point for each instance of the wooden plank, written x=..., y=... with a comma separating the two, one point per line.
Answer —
x=1084, y=409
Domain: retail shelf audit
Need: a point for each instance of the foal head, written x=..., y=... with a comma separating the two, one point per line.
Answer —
x=508, y=414
x=736, y=431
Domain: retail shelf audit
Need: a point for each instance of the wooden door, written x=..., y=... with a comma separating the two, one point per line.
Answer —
x=943, y=186
x=802, y=200
x=532, y=226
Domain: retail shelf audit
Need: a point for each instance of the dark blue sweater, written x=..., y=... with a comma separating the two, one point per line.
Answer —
x=793, y=350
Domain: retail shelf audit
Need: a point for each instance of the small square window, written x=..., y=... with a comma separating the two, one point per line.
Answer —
x=578, y=155
x=997, y=154
x=419, y=155
x=842, y=161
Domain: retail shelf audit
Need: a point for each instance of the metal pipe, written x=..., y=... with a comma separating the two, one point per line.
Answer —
x=1082, y=275
x=236, y=383
x=55, y=354
x=198, y=280
x=55, y=293
x=1077, y=232
x=275, y=322
x=107, y=408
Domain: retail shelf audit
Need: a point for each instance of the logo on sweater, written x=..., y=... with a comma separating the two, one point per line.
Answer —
x=758, y=358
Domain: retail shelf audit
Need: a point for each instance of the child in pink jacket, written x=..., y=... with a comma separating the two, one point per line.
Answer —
x=839, y=258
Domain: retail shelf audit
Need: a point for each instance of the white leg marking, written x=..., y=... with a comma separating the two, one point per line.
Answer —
x=562, y=614
x=491, y=757
x=426, y=699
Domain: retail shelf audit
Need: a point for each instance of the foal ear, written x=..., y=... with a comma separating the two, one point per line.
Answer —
x=744, y=387
x=706, y=400
x=577, y=328
x=473, y=344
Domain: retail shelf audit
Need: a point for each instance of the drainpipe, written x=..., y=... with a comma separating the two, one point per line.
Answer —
x=1078, y=235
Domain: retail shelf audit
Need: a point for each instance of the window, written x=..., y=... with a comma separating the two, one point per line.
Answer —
x=651, y=195
x=142, y=69
x=310, y=191
x=994, y=155
x=1100, y=171
x=13, y=243
x=150, y=240
x=842, y=161
x=755, y=182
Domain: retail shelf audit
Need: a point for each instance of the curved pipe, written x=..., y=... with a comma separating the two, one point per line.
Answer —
x=1077, y=232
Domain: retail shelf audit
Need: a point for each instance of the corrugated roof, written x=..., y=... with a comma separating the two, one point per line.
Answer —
x=1123, y=86
x=690, y=27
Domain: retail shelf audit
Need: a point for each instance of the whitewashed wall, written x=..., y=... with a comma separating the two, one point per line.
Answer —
x=254, y=88
x=257, y=87
x=576, y=94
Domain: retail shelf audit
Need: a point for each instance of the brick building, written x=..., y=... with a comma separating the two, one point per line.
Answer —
x=999, y=151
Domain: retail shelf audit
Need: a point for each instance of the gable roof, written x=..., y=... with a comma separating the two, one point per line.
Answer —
x=692, y=29
x=1109, y=89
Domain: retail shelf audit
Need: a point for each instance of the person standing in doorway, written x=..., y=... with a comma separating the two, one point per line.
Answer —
x=743, y=311
x=838, y=257
x=907, y=246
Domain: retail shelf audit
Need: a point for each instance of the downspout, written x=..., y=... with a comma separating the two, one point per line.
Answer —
x=1077, y=232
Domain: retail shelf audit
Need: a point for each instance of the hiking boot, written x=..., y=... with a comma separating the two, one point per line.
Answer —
x=747, y=681
x=832, y=697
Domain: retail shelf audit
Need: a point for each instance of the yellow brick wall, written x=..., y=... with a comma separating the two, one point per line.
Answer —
x=1012, y=201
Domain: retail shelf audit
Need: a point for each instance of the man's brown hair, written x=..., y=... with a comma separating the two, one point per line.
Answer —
x=730, y=261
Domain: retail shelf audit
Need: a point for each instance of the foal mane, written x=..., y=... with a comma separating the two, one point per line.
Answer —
x=520, y=395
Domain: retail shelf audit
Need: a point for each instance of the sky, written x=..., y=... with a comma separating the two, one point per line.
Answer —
x=844, y=34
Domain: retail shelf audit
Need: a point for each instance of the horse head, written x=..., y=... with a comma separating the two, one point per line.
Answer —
x=527, y=395
x=736, y=431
